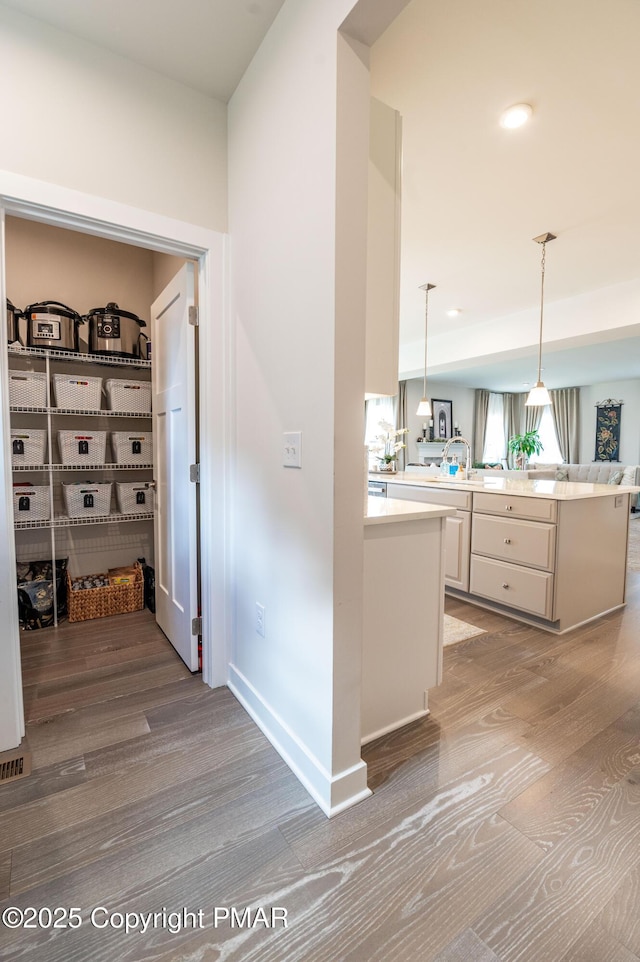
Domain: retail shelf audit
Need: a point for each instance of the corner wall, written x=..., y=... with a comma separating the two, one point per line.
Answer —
x=297, y=302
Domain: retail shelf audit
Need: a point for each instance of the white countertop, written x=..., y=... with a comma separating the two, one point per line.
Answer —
x=389, y=510
x=556, y=490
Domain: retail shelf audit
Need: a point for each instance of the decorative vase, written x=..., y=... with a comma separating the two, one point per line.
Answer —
x=389, y=467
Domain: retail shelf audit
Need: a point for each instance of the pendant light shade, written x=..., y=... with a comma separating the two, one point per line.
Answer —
x=424, y=408
x=538, y=395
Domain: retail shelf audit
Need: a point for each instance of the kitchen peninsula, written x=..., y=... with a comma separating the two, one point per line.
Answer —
x=551, y=553
x=403, y=611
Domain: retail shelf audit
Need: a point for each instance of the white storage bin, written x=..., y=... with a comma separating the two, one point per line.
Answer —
x=134, y=497
x=78, y=393
x=134, y=396
x=87, y=498
x=28, y=446
x=31, y=502
x=82, y=447
x=132, y=447
x=28, y=389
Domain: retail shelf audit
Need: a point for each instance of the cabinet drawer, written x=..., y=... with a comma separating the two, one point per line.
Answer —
x=521, y=542
x=515, y=506
x=512, y=585
x=430, y=495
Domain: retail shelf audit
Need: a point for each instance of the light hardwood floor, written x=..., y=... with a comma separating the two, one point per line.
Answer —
x=503, y=828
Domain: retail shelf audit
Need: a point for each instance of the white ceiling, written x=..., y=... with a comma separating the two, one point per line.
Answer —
x=205, y=44
x=474, y=195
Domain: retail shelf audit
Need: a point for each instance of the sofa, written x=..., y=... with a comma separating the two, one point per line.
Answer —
x=595, y=472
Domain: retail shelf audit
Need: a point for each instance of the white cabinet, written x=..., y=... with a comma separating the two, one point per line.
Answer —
x=403, y=616
x=457, y=530
x=456, y=550
x=383, y=251
x=558, y=562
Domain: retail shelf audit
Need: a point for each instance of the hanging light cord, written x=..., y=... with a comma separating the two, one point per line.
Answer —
x=542, y=266
x=426, y=315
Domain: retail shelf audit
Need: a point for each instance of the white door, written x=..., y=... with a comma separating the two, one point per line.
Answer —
x=174, y=450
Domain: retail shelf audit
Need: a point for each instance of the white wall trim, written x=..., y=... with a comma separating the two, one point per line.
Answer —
x=333, y=793
x=59, y=206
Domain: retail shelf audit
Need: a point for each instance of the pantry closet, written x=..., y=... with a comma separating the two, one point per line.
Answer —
x=81, y=427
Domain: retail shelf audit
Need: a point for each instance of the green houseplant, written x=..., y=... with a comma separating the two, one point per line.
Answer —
x=524, y=445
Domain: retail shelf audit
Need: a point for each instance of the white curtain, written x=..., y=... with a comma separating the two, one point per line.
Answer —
x=494, y=441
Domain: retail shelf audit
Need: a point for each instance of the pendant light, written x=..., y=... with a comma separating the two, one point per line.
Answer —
x=424, y=408
x=538, y=395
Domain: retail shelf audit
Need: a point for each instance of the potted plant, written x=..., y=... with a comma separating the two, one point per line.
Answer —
x=524, y=445
x=387, y=446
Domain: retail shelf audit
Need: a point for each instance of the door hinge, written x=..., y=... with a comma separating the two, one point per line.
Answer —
x=194, y=473
x=196, y=626
x=194, y=320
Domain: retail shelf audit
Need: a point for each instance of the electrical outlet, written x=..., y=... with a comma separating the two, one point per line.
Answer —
x=260, y=618
x=292, y=449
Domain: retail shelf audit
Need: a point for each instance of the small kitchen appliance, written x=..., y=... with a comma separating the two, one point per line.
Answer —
x=53, y=325
x=118, y=332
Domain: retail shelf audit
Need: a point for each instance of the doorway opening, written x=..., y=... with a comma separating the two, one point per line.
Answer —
x=166, y=241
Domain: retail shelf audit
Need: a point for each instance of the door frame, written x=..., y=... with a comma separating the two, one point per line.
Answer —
x=62, y=207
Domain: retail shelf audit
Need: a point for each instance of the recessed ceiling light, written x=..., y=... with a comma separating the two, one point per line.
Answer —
x=516, y=116
x=454, y=312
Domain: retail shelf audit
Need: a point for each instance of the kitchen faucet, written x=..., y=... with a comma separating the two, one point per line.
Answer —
x=459, y=440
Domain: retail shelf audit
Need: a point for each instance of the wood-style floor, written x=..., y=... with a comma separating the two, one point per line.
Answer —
x=504, y=828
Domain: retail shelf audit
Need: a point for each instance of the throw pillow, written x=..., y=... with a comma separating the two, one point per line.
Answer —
x=562, y=474
x=629, y=475
x=616, y=478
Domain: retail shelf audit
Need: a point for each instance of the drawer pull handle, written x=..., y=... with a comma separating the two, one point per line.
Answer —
x=504, y=584
x=507, y=540
x=508, y=507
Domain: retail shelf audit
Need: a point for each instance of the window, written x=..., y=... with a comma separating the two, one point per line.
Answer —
x=495, y=448
x=551, y=453
x=376, y=410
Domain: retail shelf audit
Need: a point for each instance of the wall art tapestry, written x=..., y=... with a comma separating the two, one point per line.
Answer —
x=608, y=415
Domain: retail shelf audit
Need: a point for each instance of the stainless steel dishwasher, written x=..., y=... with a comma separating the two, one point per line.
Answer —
x=377, y=489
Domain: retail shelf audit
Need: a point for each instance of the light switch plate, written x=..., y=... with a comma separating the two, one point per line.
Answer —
x=292, y=449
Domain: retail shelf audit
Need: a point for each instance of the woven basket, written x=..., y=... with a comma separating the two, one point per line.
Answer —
x=28, y=446
x=27, y=389
x=87, y=498
x=134, y=497
x=82, y=447
x=131, y=396
x=79, y=394
x=91, y=603
x=31, y=502
x=132, y=447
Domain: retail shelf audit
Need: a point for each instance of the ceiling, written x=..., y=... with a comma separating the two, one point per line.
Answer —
x=474, y=195
x=205, y=44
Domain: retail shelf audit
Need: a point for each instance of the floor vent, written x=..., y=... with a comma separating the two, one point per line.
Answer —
x=14, y=765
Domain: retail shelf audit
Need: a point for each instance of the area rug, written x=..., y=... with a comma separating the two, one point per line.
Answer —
x=633, y=552
x=456, y=630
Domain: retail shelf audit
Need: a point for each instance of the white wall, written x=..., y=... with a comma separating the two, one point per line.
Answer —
x=590, y=395
x=299, y=360
x=462, y=399
x=84, y=118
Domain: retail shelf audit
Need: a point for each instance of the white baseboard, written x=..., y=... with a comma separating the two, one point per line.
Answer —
x=333, y=793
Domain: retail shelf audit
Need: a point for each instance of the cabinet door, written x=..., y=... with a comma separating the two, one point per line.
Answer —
x=456, y=550
x=174, y=449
